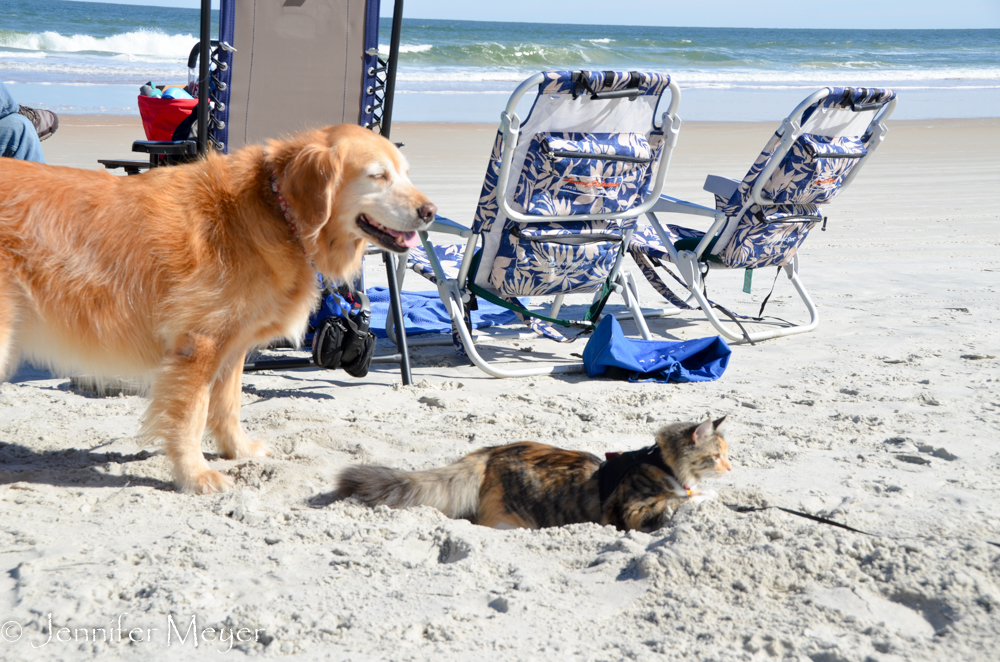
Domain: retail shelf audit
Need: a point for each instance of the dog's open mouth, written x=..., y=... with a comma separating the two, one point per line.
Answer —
x=387, y=238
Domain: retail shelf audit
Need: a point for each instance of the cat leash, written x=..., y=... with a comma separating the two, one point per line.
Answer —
x=815, y=518
x=825, y=520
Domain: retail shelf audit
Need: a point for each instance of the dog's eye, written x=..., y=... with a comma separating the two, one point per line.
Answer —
x=378, y=176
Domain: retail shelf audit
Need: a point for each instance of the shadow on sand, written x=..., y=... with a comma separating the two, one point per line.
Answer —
x=71, y=467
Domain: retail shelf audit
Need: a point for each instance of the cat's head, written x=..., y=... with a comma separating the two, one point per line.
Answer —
x=695, y=451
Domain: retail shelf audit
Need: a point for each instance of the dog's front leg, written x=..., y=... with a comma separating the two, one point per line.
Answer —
x=224, y=414
x=178, y=410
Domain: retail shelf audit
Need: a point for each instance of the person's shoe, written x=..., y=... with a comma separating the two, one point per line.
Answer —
x=45, y=121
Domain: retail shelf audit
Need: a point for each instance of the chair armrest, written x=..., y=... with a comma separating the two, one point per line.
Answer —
x=442, y=224
x=166, y=147
x=669, y=205
x=131, y=167
x=723, y=187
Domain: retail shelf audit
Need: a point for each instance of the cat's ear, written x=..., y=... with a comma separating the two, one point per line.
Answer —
x=702, y=433
x=719, y=422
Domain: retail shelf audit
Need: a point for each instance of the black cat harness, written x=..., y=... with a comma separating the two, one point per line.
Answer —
x=618, y=465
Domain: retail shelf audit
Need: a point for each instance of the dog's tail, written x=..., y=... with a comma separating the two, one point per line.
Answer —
x=454, y=490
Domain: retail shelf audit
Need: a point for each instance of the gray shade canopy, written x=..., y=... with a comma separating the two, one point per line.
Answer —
x=298, y=64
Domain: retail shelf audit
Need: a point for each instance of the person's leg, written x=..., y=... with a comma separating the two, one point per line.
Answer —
x=45, y=122
x=7, y=104
x=18, y=139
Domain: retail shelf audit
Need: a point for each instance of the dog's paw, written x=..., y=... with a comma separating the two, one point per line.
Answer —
x=246, y=448
x=258, y=449
x=207, y=482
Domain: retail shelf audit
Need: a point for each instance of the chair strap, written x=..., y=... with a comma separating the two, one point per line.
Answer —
x=760, y=313
x=518, y=308
x=650, y=273
x=731, y=315
x=647, y=267
x=587, y=324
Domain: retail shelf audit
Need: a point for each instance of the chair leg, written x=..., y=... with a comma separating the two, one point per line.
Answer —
x=453, y=303
x=401, y=269
x=556, y=306
x=396, y=312
x=649, y=312
x=451, y=296
x=390, y=326
x=631, y=298
x=390, y=330
x=792, y=271
x=692, y=275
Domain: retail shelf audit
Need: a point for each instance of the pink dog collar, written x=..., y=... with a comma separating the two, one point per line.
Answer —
x=276, y=189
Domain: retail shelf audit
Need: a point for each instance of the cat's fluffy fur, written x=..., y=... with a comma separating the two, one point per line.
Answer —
x=533, y=485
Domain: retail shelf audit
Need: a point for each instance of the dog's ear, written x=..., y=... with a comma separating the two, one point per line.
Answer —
x=309, y=175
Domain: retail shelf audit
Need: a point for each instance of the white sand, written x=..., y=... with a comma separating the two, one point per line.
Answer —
x=875, y=420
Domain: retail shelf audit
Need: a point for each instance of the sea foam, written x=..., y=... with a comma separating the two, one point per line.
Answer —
x=136, y=43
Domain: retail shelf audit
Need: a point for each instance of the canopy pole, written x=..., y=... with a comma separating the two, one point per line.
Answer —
x=390, y=73
x=396, y=307
x=204, y=60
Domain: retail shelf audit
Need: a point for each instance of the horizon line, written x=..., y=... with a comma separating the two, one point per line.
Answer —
x=702, y=27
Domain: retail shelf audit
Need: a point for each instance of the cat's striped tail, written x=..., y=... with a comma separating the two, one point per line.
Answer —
x=454, y=490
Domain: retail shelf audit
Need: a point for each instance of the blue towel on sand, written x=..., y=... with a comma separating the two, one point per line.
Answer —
x=423, y=312
x=610, y=354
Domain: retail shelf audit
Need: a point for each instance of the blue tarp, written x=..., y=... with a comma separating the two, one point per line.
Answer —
x=610, y=354
x=423, y=312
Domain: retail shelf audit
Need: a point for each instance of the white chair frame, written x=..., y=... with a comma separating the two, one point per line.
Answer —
x=454, y=292
x=693, y=266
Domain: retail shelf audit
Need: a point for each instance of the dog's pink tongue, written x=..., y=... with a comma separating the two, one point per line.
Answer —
x=409, y=239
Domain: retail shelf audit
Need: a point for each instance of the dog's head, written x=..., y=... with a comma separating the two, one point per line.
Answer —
x=345, y=186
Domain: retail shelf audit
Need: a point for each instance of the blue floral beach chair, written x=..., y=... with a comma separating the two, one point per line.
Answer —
x=562, y=194
x=762, y=220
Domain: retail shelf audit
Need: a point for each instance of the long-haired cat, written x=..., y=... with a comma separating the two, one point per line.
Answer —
x=533, y=485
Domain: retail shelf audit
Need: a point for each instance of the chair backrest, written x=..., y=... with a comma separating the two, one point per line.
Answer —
x=590, y=146
x=297, y=64
x=823, y=148
x=814, y=155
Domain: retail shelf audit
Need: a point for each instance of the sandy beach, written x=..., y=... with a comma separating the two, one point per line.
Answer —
x=885, y=419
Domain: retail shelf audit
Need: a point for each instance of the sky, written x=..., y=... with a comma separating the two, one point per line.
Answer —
x=845, y=14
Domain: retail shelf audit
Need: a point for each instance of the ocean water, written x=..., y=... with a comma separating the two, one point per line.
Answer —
x=91, y=57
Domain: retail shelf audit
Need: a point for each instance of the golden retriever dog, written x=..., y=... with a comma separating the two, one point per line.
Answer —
x=175, y=274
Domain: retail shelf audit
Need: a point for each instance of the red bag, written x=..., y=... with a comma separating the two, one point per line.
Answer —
x=160, y=117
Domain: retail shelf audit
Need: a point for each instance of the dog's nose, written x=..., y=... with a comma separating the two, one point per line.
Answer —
x=426, y=212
